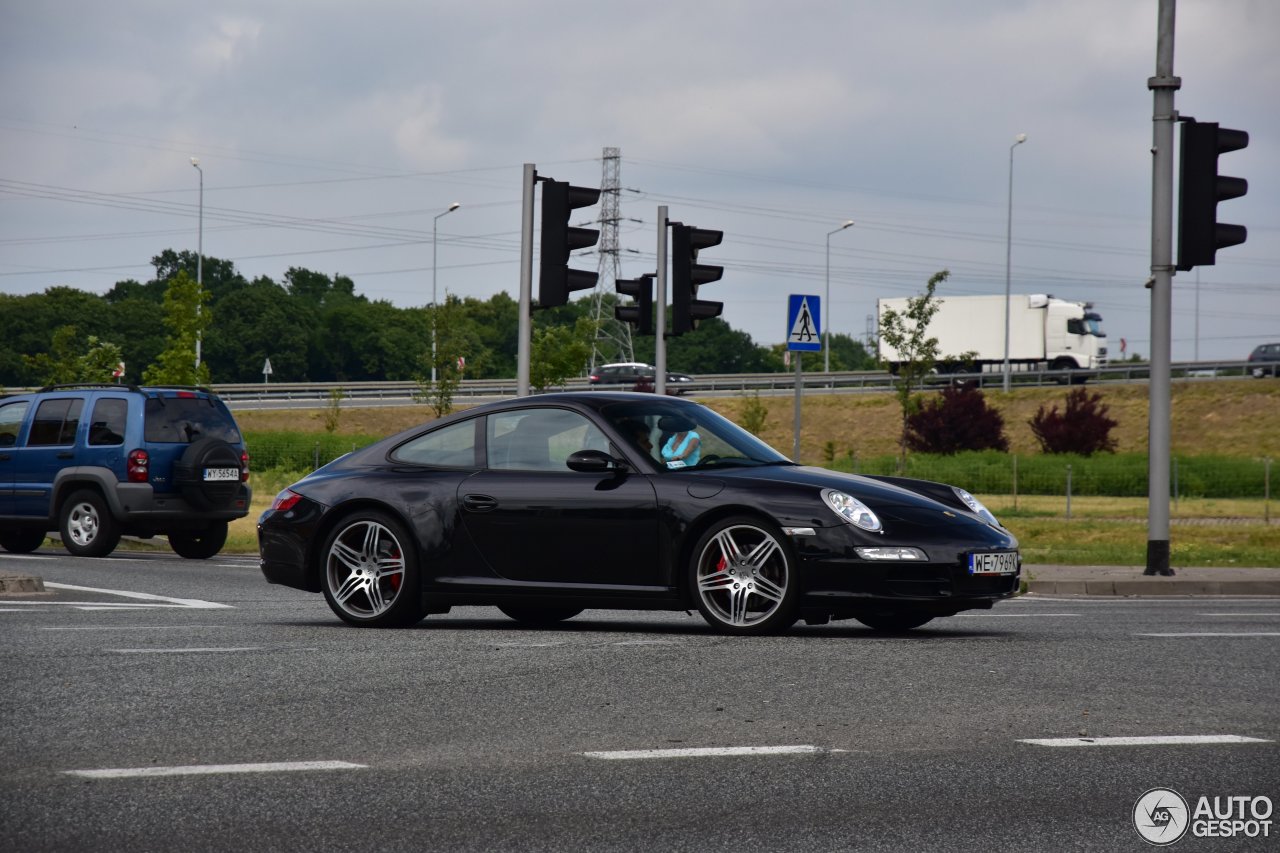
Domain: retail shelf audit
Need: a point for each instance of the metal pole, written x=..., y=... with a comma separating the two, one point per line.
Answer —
x=1008, y=259
x=660, y=309
x=826, y=332
x=434, y=310
x=1159, y=408
x=199, y=259
x=526, y=282
x=795, y=446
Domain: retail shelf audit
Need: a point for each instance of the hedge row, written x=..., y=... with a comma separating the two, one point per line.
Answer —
x=986, y=472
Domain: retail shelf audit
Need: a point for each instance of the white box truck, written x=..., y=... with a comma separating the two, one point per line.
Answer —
x=1043, y=332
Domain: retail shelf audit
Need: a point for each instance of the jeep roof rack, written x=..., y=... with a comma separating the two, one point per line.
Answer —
x=69, y=385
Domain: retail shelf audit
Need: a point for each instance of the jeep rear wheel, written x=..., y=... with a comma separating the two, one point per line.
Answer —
x=199, y=544
x=23, y=540
x=88, y=527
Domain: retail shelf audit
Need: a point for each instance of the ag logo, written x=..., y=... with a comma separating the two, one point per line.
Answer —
x=1161, y=816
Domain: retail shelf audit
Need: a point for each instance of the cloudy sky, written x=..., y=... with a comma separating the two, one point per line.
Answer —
x=331, y=134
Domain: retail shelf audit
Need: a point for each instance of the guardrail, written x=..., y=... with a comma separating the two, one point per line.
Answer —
x=246, y=395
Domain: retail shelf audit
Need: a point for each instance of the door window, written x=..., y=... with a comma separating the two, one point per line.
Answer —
x=106, y=425
x=11, y=416
x=540, y=439
x=55, y=422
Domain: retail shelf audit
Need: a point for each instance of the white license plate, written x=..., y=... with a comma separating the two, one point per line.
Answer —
x=221, y=474
x=1002, y=563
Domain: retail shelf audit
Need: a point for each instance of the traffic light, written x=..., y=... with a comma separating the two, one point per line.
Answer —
x=1200, y=188
x=686, y=275
x=641, y=314
x=557, y=281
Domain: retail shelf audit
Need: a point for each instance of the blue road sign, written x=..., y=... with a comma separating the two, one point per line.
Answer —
x=804, y=323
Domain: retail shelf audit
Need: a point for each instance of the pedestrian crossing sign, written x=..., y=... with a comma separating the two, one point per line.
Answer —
x=804, y=326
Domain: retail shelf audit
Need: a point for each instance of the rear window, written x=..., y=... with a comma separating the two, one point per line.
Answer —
x=183, y=420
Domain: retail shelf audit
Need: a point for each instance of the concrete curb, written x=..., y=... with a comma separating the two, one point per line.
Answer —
x=12, y=583
x=1155, y=586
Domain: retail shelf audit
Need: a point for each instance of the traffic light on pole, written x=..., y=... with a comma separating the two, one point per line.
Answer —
x=557, y=281
x=687, y=275
x=640, y=314
x=1200, y=188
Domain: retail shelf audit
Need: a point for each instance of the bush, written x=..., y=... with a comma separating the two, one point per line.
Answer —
x=958, y=419
x=1082, y=428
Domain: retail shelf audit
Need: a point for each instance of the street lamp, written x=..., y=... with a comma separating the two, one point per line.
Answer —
x=434, y=222
x=1008, y=256
x=195, y=161
x=826, y=331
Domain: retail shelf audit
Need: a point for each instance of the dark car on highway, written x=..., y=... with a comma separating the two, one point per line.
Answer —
x=548, y=505
x=628, y=375
x=1265, y=360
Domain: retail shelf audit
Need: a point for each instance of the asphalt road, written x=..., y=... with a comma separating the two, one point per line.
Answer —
x=151, y=703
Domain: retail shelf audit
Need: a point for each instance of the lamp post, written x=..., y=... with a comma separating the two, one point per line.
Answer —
x=434, y=222
x=195, y=161
x=826, y=332
x=1008, y=257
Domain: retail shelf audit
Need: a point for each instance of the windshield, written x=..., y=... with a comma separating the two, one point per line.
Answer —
x=1093, y=325
x=680, y=437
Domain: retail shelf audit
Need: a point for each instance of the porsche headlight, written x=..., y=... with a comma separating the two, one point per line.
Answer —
x=851, y=510
x=976, y=507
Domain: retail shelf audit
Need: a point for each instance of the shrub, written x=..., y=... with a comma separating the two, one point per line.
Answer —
x=958, y=419
x=1083, y=427
x=754, y=413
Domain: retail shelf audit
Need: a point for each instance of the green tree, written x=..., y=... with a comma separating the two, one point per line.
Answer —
x=908, y=333
x=72, y=360
x=257, y=322
x=559, y=352
x=186, y=318
x=453, y=339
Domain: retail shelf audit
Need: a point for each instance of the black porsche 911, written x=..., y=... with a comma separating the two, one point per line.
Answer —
x=545, y=506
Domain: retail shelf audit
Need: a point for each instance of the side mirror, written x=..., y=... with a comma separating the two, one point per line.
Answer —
x=592, y=462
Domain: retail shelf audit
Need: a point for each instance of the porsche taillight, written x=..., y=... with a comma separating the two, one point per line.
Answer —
x=138, y=467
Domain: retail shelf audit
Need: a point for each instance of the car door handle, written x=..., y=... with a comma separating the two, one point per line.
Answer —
x=479, y=503
x=5, y=457
x=66, y=454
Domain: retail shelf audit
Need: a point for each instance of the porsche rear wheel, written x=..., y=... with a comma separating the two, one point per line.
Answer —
x=371, y=576
x=743, y=578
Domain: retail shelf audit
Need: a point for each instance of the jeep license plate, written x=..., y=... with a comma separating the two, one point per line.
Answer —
x=1002, y=563
x=221, y=474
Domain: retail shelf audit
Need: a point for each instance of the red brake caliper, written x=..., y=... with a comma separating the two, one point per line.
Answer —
x=396, y=579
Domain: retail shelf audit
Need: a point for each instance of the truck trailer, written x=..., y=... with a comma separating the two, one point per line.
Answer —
x=1044, y=332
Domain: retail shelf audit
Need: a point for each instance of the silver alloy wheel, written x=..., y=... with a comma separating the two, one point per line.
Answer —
x=83, y=523
x=742, y=575
x=364, y=569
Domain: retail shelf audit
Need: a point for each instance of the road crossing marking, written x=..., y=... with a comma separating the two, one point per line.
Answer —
x=159, y=600
x=213, y=769
x=1149, y=740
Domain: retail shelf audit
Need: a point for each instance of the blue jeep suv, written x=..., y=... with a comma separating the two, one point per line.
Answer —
x=95, y=462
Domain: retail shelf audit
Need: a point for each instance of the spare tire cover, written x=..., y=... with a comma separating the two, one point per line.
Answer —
x=188, y=474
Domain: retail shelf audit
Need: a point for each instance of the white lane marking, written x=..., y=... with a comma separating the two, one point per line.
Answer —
x=1239, y=613
x=1018, y=615
x=1150, y=740
x=707, y=752
x=214, y=769
x=1112, y=601
x=127, y=627
x=146, y=596
x=184, y=651
x=1217, y=634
